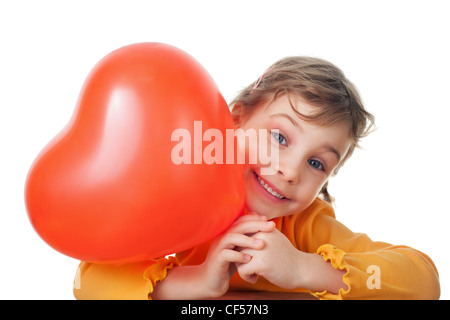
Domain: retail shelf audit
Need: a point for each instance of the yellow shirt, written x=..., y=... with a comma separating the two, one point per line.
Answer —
x=374, y=270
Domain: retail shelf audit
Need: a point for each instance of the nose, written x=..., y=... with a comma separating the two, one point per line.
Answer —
x=289, y=171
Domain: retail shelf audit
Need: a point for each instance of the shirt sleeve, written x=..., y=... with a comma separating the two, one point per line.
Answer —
x=374, y=270
x=134, y=281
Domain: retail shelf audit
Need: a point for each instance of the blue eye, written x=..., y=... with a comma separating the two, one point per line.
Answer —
x=280, y=138
x=316, y=164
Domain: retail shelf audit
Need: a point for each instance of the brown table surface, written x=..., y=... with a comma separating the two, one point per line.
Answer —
x=263, y=295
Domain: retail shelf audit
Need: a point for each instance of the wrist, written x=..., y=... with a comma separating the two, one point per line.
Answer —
x=305, y=263
x=202, y=287
x=210, y=285
x=309, y=262
x=319, y=275
x=182, y=282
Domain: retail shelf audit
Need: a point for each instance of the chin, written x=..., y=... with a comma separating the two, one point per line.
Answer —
x=253, y=205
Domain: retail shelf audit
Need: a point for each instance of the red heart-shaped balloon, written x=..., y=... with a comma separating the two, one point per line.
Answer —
x=106, y=188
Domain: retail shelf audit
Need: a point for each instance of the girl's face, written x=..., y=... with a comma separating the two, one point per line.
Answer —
x=308, y=154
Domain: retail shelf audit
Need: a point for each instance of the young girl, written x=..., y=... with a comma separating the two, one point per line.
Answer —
x=290, y=240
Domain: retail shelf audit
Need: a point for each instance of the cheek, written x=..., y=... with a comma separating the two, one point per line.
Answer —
x=308, y=190
x=258, y=152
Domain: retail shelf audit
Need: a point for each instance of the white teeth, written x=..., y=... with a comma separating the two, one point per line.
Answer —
x=269, y=189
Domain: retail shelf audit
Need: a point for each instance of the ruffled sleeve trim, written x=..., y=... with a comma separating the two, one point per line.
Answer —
x=336, y=257
x=157, y=271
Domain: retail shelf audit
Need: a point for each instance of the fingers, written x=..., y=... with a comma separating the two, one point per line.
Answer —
x=232, y=256
x=231, y=247
x=236, y=240
x=252, y=278
x=252, y=216
x=252, y=226
x=240, y=235
x=246, y=273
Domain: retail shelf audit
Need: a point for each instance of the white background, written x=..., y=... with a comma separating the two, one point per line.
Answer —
x=396, y=52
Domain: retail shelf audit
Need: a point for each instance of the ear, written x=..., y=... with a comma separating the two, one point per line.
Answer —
x=236, y=114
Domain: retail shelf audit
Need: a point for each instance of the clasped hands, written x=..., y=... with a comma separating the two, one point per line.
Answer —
x=253, y=247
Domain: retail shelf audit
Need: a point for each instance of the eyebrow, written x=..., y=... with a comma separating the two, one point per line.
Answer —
x=333, y=150
x=297, y=125
x=285, y=115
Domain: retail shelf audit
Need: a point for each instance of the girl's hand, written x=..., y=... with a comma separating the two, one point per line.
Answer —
x=211, y=279
x=279, y=261
x=287, y=267
x=219, y=265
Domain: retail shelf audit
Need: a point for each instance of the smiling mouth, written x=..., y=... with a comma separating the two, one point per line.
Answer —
x=269, y=189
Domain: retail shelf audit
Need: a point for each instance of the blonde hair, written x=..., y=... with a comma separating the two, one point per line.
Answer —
x=319, y=83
